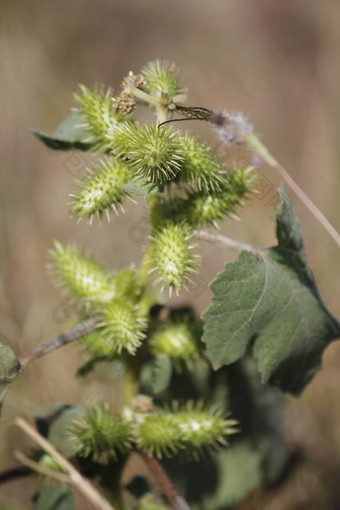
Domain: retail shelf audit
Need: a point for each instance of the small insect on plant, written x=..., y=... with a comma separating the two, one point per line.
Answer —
x=201, y=423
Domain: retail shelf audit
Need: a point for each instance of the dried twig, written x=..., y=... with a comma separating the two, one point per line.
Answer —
x=74, y=477
x=168, y=488
x=227, y=241
x=81, y=329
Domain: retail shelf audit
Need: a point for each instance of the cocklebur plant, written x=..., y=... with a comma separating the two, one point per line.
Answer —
x=264, y=331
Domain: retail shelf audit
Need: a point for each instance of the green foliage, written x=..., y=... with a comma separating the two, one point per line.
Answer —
x=50, y=497
x=68, y=136
x=269, y=300
x=156, y=375
x=265, y=303
x=101, y=191
x=58, y=429
x=255, y=455
x=9, y=368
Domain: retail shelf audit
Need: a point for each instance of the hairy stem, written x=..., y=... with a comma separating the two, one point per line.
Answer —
x=227, y=241
x=170, y=491
x=143, y=96
x=75, y=478
x=256, y=145
x=50, y=345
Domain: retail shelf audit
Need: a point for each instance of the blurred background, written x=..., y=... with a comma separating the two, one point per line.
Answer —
x=278, y=62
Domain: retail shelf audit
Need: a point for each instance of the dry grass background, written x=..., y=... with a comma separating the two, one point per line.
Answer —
x=276, y=61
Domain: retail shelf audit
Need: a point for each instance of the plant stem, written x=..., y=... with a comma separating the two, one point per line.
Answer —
x=227, y=241
x=143, y=96
x=170, y=491
x=75, y=478
x=257, y=146
x=42, y=470
x=81, y=329
x=146, y=98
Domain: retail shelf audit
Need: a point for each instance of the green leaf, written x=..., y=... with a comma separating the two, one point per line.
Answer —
x=54, y=498
x=59, y=431
x=46, y=415
x=268, y=302
x=91, y=365
x=9, y=368
x=156, y=375
x=68, y=136
x=139, y=186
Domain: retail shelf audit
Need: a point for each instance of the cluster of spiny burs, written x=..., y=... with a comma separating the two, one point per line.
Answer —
x=186, y=188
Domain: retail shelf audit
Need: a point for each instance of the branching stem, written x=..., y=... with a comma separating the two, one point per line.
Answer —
x=227, y=241
x=42, y=470
x=74, y=477
x=81, y=329
x=170, y=491
x=146, y=98
x=257, y=146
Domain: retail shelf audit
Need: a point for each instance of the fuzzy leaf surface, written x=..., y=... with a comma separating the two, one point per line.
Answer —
x=268, y=302
x=9, y=368
x=58, y=433
x=68, y=136
x=50, y=497
x=156, y=374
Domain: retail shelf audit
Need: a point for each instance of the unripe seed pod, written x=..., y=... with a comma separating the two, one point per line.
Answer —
x=80, y=276
x=151, y=152
x=171, y=254
x=100, y=434
x=101, y=190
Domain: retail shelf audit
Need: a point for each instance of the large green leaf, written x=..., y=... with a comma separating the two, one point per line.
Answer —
x=9, y=368
x=268, y=302
x=54, y=498
x=68, y=136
